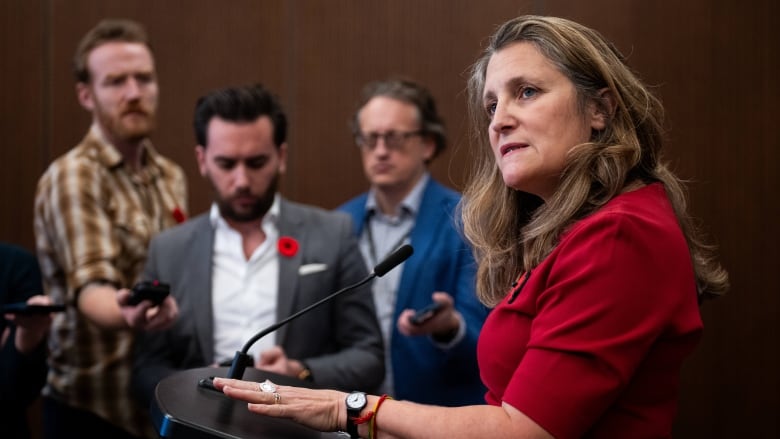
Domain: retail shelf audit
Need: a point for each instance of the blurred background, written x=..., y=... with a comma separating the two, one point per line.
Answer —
x=714, y=63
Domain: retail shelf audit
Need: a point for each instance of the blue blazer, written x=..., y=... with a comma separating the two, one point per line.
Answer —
x=442, y=261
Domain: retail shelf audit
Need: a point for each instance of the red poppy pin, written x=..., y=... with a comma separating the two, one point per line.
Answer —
x=178, y=215
x=287, y=246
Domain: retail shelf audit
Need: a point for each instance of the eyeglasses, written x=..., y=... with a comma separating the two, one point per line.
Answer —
x=393, y=139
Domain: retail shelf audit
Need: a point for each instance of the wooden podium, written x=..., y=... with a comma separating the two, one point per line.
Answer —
x=183, y=409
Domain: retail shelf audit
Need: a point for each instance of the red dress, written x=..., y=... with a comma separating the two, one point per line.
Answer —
x=593, y=343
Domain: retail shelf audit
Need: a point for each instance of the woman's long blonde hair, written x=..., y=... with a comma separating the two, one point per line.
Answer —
x=513, y=231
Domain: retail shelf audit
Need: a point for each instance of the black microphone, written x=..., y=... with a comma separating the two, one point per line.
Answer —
x=393, y=260
x=242, y=360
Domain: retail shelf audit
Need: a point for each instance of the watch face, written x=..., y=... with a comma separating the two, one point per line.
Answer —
x=356, y=400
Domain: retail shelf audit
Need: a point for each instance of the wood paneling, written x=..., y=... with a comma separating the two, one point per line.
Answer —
x=714, y=64
x=22, y=75
x=341, y=45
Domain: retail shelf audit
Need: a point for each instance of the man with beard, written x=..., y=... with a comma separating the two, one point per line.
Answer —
x=96, y=209
x=256, y=258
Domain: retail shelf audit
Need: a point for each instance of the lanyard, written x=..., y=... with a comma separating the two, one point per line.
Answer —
x=372, y=246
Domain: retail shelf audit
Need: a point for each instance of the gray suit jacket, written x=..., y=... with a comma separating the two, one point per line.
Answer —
x=340, y=341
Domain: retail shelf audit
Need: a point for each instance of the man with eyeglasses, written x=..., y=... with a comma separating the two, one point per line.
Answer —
x=399, y=132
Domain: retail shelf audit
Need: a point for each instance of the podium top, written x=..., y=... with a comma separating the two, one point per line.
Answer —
x=182, y=409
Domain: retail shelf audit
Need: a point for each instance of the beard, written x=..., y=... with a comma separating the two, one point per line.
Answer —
x=134, y=123
x=255, y=211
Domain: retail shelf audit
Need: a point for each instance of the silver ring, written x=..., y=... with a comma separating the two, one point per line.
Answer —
x=277, y=398
x=266, y=386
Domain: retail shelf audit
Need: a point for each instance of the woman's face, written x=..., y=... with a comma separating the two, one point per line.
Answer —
x=534, y=118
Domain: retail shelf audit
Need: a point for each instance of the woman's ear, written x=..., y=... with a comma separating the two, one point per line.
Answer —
x=603, y=109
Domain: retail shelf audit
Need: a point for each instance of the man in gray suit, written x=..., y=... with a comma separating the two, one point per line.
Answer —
x=255, y=259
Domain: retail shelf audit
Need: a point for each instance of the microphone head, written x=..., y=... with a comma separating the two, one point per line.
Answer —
x=393, y=260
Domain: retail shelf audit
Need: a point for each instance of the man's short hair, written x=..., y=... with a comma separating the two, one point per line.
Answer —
x=108, y=30
x=240, y=104
x=410, y=92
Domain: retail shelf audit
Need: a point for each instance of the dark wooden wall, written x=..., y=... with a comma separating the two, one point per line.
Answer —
x=714, y=64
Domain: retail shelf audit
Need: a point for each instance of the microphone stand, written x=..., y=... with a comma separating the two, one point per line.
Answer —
x=183, y=411
x=242, y=359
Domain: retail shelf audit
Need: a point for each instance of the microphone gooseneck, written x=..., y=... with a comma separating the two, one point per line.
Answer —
x=242, y=359
x=393, y=260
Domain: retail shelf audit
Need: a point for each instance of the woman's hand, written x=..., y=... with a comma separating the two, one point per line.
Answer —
x=322, y=410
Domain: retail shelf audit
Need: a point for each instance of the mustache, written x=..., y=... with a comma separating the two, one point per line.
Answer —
x=243, y=193
x=136, y=107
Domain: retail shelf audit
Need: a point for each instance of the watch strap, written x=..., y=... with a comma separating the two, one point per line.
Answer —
x=352, y=428
x=353, y=413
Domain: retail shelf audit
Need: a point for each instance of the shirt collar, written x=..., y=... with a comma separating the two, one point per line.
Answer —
x=110, y=156
x=409, y=205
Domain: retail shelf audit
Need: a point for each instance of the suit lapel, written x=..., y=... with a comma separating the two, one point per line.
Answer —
x=198, y=268
x=290, y=224
x=426, y=229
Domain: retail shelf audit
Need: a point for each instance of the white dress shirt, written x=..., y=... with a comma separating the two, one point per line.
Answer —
x=243, y=292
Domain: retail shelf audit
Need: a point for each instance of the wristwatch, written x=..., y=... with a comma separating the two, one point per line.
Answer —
x=356, y=402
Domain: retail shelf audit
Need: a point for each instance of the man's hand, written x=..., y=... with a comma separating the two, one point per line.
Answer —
x=275, y=360
x=107, y=307
x=447, y=321
x=31, y=329
x=146, y=316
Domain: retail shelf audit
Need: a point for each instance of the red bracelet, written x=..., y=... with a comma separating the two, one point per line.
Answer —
x=372, y=428
x=363, y=419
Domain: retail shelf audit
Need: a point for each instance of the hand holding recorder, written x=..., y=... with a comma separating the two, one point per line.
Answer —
x=439, y=319
x=32, y=319
x=148, y=306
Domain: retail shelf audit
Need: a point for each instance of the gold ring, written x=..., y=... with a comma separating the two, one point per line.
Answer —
x=277, y=398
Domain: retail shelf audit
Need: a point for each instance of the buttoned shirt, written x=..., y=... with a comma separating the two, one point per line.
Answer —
x=382, y=234
x=94, y=217
x=243, y=291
